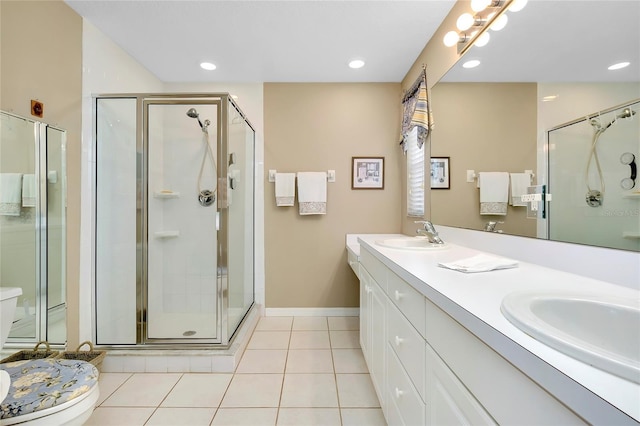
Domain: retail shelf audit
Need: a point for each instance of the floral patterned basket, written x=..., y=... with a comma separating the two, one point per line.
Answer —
x=94, y=357
x=34, y=354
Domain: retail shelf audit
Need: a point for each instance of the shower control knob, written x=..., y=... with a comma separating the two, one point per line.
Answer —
x=206, y=198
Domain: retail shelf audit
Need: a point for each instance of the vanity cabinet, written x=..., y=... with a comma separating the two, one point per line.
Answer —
x=428, y=369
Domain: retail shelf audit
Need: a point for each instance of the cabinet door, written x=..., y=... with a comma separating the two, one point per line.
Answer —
x=448, y=400
x=365, y=313
x=378, y=338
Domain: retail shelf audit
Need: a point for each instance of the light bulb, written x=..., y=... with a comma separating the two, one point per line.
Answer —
x=517, y=5
x=479, y=5
x=451, y=38
x=482, y=40
x=499, y=23
x=465, y=21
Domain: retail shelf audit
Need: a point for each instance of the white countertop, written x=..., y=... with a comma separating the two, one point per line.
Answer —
x=474, y=301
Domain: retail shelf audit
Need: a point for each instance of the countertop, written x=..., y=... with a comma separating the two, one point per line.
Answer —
x=474, y=301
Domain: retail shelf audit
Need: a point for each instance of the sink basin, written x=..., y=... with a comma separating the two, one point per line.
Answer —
x=410, y=243
x=599, y=330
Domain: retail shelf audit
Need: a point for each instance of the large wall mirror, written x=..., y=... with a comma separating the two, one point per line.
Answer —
x=543, y=100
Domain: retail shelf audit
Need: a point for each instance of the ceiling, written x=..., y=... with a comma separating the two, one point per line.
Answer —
x=269, y=41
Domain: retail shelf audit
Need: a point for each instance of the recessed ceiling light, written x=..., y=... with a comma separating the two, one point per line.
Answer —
x=471, y=64
x=618, y=66
x=207, y=66
x=356, y=63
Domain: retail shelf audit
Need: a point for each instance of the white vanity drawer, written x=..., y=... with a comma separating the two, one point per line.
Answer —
x=402, y=394
x=408, y=300
x=409, y=346
x=376, y=269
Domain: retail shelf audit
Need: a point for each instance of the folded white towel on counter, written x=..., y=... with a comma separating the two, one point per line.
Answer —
x=480, y=263
x=494, y=192
x=312, y=193
x=519, y=184
x=10, y=194
x=29, y=190
x=285, y=189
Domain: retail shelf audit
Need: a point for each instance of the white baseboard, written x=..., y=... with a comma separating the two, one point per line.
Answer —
x=312, y=312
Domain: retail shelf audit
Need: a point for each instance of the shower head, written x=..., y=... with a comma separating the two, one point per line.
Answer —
x=194, y=114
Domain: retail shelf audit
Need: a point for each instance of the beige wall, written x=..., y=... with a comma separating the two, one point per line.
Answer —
x=317, y=127
x=486, y=127
x=41, y=58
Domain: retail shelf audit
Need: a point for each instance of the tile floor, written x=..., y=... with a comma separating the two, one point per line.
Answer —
x=295, y=371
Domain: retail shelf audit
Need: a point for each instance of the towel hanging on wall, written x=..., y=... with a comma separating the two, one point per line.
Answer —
x=519, y=184
x=494, y=193
x=10, y=194
x=312, y=193
x=285, y=189
x=29, y=190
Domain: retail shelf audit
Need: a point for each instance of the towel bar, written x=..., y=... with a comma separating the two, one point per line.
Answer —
x=331, y=175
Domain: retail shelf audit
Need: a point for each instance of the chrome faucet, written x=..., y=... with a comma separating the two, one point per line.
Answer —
x=491, y=226
x=429, y=231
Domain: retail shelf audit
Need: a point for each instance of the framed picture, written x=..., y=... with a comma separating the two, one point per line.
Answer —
x=440, y=173
x=367, y=173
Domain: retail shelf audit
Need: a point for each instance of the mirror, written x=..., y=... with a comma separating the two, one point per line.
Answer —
x=547, y=68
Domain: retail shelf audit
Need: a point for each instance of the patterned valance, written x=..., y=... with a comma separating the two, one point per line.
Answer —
x=415, y=103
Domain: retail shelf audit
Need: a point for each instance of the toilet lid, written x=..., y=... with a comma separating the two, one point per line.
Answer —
x=45, y=383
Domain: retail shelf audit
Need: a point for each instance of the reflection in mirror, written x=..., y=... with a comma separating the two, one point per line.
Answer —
x=497, y=118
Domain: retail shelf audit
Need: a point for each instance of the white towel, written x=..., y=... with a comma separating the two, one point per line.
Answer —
x=480, y=263
x=494, y=192
x=519, y=184
x=29, y=191
x=285, y=189
x=10, y=194
x=312, y=192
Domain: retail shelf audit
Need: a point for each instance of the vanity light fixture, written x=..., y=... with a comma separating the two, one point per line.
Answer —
x=356, y=63
x=207, y=66
x=618, y=66
x=472, y=27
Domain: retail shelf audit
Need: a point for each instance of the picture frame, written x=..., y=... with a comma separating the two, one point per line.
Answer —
x=440, y=173
x=367, y=172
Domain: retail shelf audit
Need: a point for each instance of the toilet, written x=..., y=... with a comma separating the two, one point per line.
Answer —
x=43, y=391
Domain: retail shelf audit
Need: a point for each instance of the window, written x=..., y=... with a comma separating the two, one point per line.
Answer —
x=415, y=175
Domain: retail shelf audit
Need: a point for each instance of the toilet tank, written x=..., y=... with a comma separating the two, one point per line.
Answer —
x=8, y=301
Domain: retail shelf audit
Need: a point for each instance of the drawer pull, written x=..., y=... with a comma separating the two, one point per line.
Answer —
x=398, y=295
x=399, y=340
x=399, y=393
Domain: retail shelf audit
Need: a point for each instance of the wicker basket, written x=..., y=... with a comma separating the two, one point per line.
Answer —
x=92, y=356
x=26, y=355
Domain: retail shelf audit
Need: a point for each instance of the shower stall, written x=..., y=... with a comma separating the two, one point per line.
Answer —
x=33, y=227
x=174, y=219
x=593, y=179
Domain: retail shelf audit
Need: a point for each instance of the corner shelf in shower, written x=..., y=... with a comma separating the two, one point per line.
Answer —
x=166, y=234
x=166, y=194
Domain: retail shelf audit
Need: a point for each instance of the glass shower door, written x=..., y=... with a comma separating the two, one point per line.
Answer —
x=182, y=247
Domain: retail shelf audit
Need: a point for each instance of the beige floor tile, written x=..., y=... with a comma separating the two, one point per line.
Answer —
x=253, y=390
x=198, y=390
x=143, y=390
x=309, y=340
x=181, y=417
x=310, y=323
x=356, y=391
x=119, y=416
x=262, y=361
x=245, y=417
x=344, y=323
x=269, y=340
x=309, y=361
x=344, y=339
x=363, y=416
x=309, y=417
x=309, y=390
x=349, y=361
x=109, y=382
x=274, y=324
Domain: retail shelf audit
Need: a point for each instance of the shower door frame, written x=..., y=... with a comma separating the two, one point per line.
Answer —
x=222, y=101
x=143, y=227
